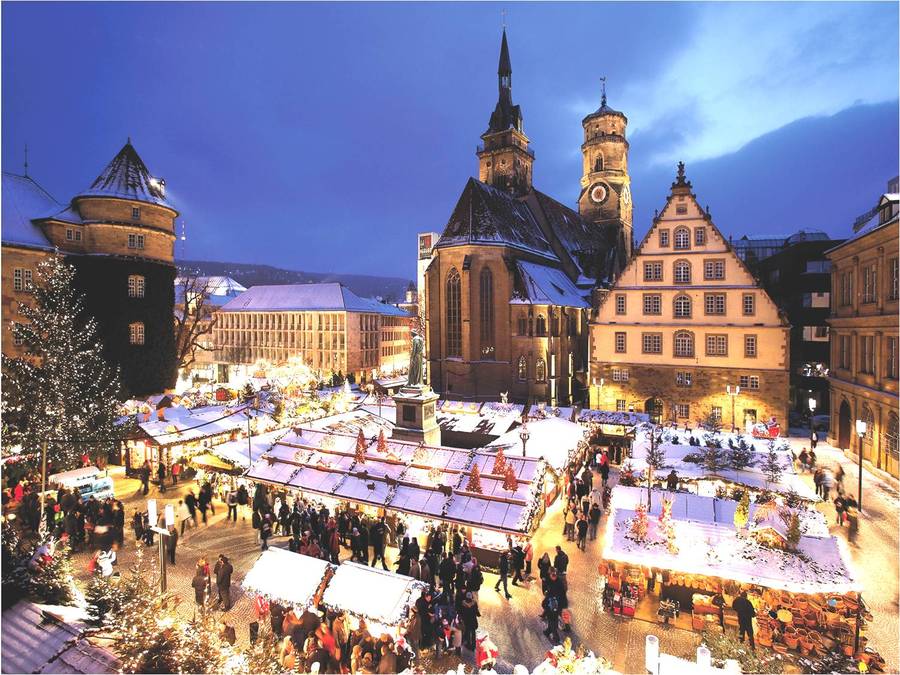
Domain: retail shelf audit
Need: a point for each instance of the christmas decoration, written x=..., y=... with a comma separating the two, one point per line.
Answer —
x=742, y=512
x=474, y=484
x=64, y=393
x=499, y=463
x=741, y=456
x=382, y=443
x=361, y=448
x=420, y=454
x=714, y=459
x=509, y=480
x=435, y=475
x=793, y=532
x=667, y=526
x=639, y=524
x=772, y=467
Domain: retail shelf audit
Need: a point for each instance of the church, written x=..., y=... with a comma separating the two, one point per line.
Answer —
x=511, y=281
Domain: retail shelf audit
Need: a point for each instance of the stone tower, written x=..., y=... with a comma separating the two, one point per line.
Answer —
x=504, y=160
x=605, y=197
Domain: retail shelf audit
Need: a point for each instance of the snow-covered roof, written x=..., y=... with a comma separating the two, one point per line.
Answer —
x=628, y=419
x=307, y=297
x=216, y=285
x=552, y=439
x=352, y=421
x=127, y=177
x=23, y=201
x=182, y=425
x=548, y=286
x=236, y=451
x=287, y=577
x=371, y=593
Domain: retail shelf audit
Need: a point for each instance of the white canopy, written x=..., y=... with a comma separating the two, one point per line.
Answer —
x=553, y=439
x=373, y=594
x=287, y=577
x=236, y=451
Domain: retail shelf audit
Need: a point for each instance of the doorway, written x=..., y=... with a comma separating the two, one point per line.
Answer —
x=844, y=428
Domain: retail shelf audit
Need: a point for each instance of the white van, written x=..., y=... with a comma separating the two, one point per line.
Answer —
x=88, y=481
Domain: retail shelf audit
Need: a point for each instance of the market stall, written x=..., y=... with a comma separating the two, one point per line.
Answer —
x=612, y=429
x=288, y=578
x=555, y=440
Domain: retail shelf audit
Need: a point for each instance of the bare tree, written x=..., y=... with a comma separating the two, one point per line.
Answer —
x=193, y=319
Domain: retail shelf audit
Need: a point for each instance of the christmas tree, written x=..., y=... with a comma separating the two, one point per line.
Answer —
x=509, y=479
x=499, y=463
x=382, y=443
x=65, y=390
x=742, y=512
x=771, y=467
x=667, y=526
x=714, y=459
x=361, y=448
x=639, y=524
x=655, y=458
x=741, y=457
x=474, y=484
x=793, y=533
x=104, y=599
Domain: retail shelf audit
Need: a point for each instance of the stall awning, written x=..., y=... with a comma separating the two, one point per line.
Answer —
x=210, y=462
x=287, y=578
x=374, y=594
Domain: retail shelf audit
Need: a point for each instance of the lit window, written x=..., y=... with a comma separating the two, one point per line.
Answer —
x=135, y=241
x=136, y=333
x=682, y=272
x=682, y=307
x=684, y=343
x=684, y=378
x=540, y=370
x=620, y=374
x=717, y=345
x=651, y=343
x=713, y=270
x=749, y=304
x=750, y=346
x=620, y=343
x=714, y=303
x=620, y=303
x=620, y=405
x=664, y=238
x=749, y=381
x=523, y=368
x=454, y=317
x=135, y=213
x=135, y=286
x=682, y=239
x=18, y=284
x=653, y=271
x=700, y=236
x=891, y=370
x=682, y=410
x=652, y=303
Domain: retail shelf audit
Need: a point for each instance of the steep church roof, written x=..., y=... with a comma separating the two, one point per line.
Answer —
x=23, y=201
x=127, y=177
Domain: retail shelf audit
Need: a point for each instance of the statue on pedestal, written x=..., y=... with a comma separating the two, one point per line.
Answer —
x=416, y=376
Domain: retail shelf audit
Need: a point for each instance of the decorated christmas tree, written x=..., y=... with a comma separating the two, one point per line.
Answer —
x=509, y=479
x=65, y=389
x=639, y=523
x=499, y=463
x=360, y=448
x=741, y=457
x=382, y=443
x=248, y=393
x=667, y=526
x=742, y=512
x=474, y=484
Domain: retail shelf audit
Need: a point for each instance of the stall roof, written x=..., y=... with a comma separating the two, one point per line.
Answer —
x=628, y=419
x=236, y=451
x=553, y=439
x=374, y=594
x=287, y=577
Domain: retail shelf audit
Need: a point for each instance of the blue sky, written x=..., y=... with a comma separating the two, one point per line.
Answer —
x=322, y=137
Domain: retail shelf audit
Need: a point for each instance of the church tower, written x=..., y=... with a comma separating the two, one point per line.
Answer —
x=504, y=160
x=605, y=197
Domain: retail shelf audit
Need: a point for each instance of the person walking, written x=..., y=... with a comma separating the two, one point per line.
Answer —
x=594, y=520
x=518, y=562
x=203, y=504
x=827, y=482
x=161, y=474
x=814, y=439
x=468, y=615
x=504, y=573
x=232, y=503
x=582, y=528
x=561, y=561
x=265, y=531
x=176, y=470
x=745, y=612
x=223, y=571
x=529, y=556
x=145, y=476
x=604, y=467
x=817, y=480
x=839, y=479
x=377, y=535
x=172, y=543
x=191, y=502
x=184, y=514
x=570, y=522
x=551, y=614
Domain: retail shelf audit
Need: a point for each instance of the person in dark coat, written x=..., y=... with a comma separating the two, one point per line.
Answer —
x=468, y=615
x=504, y=573
x=672, y=481
x=223, y=571
x=145, y=476
x=561, y=561
x=377, y=535
x=172, y=543
x=276, y=618
x=191, y=502
x=518, y=564
x=199, y=583
x=414, y=551
x=161, y=474
x=745, y=613
x=594, y=520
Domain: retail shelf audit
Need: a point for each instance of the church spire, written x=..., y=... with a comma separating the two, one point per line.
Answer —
x=504, y=70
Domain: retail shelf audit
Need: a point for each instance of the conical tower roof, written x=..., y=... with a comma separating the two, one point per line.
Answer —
x=127, y=177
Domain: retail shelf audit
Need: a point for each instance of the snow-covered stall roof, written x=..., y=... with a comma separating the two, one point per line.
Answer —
x=236, y=451
x=491, y=419
x=716, y=549
x=287, y=577
x=423, y=480
x=352, y=421
x=542, y=412
x=182, y=425
x=552, y=439
x=614, y=417
x=373, y=594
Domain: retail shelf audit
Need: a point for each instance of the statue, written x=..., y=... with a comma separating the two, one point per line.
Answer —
x=416, y=377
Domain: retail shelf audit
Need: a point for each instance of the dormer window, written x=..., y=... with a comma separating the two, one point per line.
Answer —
x=135, y=213
x=682, y=239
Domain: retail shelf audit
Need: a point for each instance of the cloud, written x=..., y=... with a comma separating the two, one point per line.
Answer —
x=748, y=69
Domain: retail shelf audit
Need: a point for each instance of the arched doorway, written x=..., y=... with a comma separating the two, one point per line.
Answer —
x=654, y=408
x=845, y=421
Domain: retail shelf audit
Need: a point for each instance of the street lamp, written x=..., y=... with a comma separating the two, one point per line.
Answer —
x=524, y=434
x=812, y=405
x=733, y=393
x=861, y=428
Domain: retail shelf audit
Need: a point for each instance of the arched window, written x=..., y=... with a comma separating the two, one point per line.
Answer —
x=598, y=163
x=869, y=419
x=554, y=323
x=890, y=436
x=682, y=307
x=523, y=324
x=454, y=314
x=522, y=368
x=684, y=343
x=540, y=370
x=682, y=239
x=136, y=286
x=486, y=303
x=541, y=325
x=682, y=272
x=136, y=333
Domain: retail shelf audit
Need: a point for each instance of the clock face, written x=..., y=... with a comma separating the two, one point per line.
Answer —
x=599, y=193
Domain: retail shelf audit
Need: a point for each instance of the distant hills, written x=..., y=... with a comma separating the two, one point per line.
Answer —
x=389, y=289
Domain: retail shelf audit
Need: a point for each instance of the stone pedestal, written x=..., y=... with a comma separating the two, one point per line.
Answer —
x=416, y=415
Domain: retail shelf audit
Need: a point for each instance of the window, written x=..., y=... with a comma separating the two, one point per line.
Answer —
x=682, y=307
x=522, y=368
x=136, y=333
x=682, y=239
x=890, y=436
x=523, y=324
x=870, y=283
x=620, y=405
x=869, y=419
x=894, y=290
x=664, y=239
x=845, y=352
x=135, y=286
x=77, y=235
x=620, y=374
x=817, y=266
x=716, y=413
x=700, y=236
x=135, y=241
x=749, y=381
x=70, y=234
x=682, y=410
x=541, y=325
x=652, y=303
x=846, y=289
x=748, y=303
x=135, y=213
x=684, y=378
x=454, y=314
x=717, y=345
x=750, y=346
x=714, y=303
x=891, y=370
x=680, y=209
x=540, y=370
x=18, y=284
x=486, y=303
x=713, y=270
x=620, y=343
x=867, y=354
x=682, y=272
x=684, y=343
x=653, y=271
x=620, y=303
x=651, y=343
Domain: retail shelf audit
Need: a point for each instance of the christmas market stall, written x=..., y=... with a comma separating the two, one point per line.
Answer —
x=612, y=429
x=558, y=442
x=288, y=578
x=489, y=496
x=687, y=557
x=470, y=424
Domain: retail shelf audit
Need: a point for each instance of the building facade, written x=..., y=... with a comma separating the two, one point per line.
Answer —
x=119, y=235
x=798, y=279
x=508, y=286
x=684, y=322
x=332, y=329
x=864, y=356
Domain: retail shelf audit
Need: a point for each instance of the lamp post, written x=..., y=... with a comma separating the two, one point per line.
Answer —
x=524, y=434
x=163, y=532
x=733, y=393
x=861, y=428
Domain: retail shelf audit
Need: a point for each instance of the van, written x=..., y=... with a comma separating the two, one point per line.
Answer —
x=89, y=481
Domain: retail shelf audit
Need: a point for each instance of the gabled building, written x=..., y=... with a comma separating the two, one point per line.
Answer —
x=685, y=321
x=119, y=236
x=509, y=283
